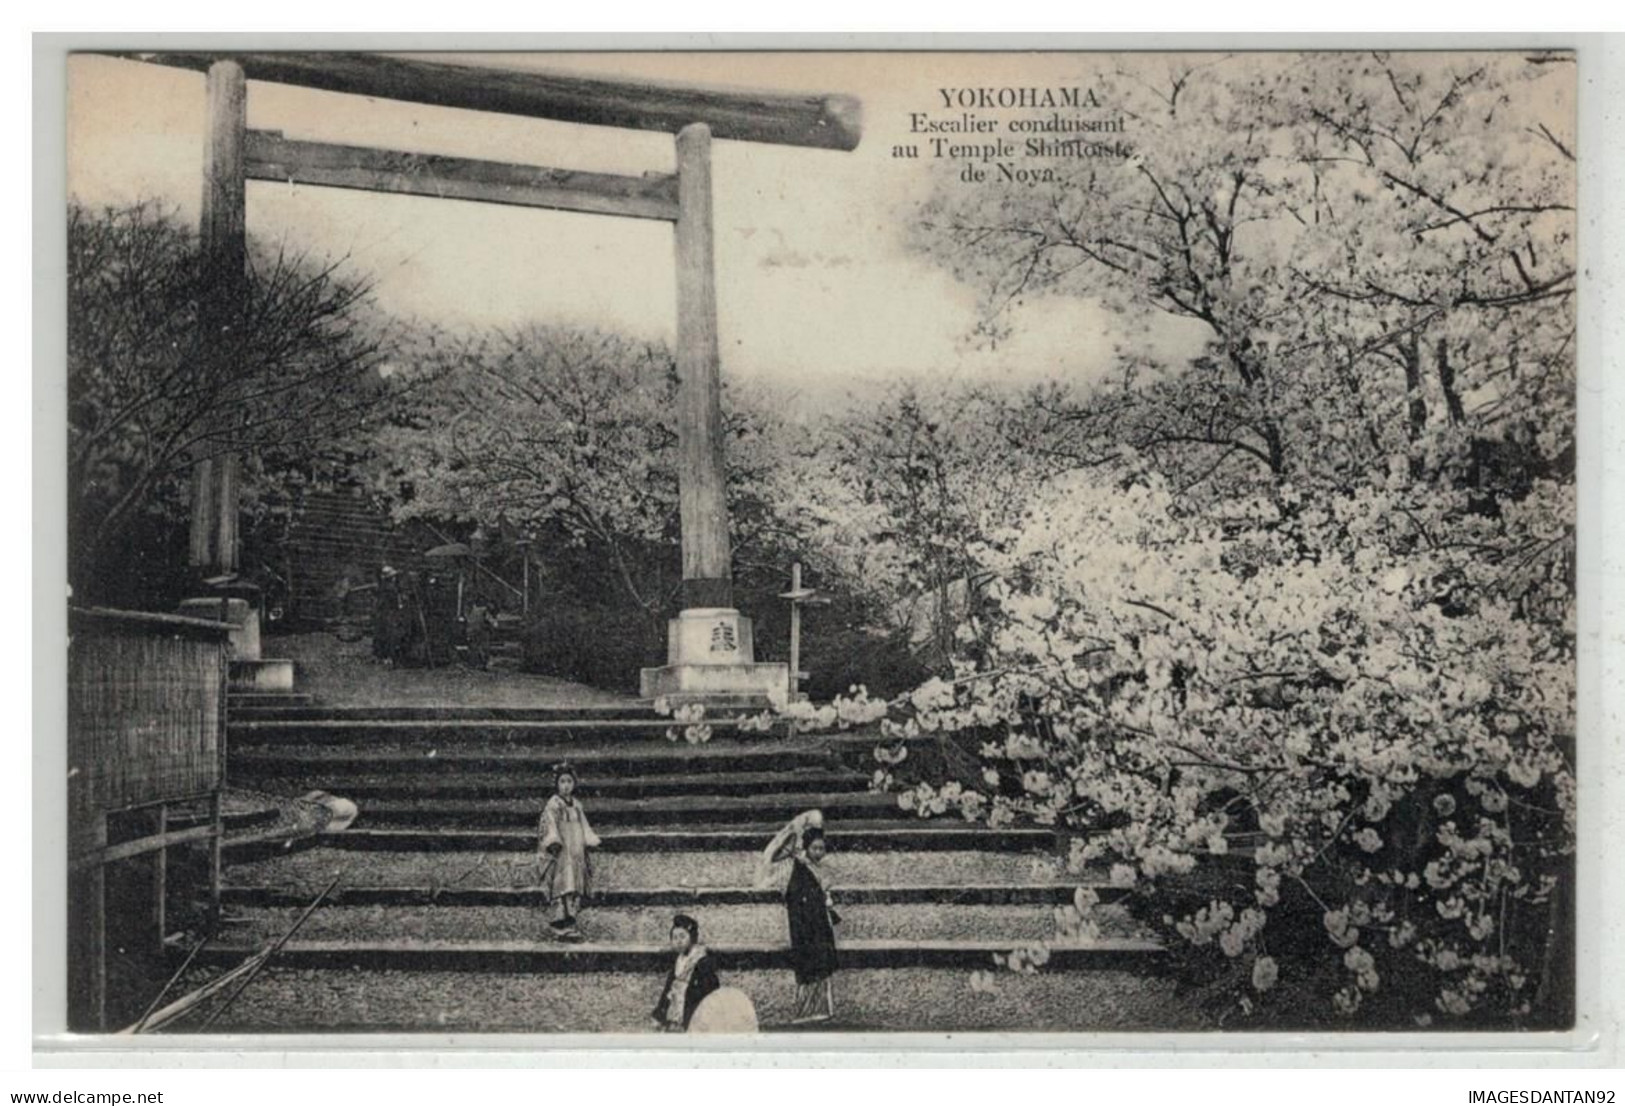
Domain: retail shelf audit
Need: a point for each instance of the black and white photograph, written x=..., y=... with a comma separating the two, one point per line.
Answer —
x=808, y=543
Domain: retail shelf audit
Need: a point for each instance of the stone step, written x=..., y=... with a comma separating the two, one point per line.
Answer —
x=470, y=784
x=664, y=810
x=865, y=836
x=238, y=702
x=534, y=898
x=305, y=873
x=722, y=926
x=528, y=731
x=876, y=1000
x=631, y=709
x=613, y=758
x=1137, y=955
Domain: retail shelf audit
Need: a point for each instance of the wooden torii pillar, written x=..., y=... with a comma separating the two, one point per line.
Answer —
x=223, y=259
x=710, y=648
x=223, y=245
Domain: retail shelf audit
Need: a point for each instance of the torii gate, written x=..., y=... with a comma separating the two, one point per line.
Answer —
x=710, y=653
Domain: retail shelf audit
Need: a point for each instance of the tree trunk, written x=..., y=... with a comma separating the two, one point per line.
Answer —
x=1447, y=383
x=1417, y=408
x=1272, y=438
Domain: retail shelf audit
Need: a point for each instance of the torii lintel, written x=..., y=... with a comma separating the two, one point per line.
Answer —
x=827, y=121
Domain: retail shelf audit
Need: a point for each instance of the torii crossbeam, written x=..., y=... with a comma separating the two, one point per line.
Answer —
x=710, y=651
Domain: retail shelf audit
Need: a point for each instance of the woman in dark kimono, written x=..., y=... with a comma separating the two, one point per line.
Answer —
x=387, y=618
x=812, y=930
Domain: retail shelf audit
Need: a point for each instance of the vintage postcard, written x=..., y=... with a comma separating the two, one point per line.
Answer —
x=805, y=542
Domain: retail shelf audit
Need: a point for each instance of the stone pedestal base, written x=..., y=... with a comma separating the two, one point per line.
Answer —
x=260, y=675
x=710, y=659
x=709, y=635
x=244, y=619
x=248, y=671
x=731, y=685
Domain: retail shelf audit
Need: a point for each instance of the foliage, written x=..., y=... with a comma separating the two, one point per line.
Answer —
x=570, y=435
x=150, y=394
x=1284, y=634
x=565, y=432
x=1376, y=251
x=600, y=645
x=1355, y=710
x=903, y=492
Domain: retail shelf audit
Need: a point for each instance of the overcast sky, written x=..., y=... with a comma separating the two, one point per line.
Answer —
x=815, y=287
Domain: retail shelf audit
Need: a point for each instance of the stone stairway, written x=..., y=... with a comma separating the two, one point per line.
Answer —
x=438, y=877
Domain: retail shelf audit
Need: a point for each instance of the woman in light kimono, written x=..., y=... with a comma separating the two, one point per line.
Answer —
x=564, y=838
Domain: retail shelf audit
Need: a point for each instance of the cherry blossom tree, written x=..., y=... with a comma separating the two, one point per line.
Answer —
x=144, y=404
x=1301, y=708
x=571, y=432
x=1376, y=250
x=1284, y=634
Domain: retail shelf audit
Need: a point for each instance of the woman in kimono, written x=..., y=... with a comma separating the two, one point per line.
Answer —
x=812, y=918
x=564, y=838
x=387, y=628
x=692, y=977
x=774, y=865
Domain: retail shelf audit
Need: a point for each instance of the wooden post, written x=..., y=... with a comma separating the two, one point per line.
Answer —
x=204, y=505
x=216, y=842
x=524, y=574
x=795, y=633
x=707, y=574
x=223, y=256
x=797, y=595
x=226, y=469
x=217, y=810
x=87, y=921
x=160, y=878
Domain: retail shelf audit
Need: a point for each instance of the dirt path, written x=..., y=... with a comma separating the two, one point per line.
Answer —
x=917, y=999
x=340, y=673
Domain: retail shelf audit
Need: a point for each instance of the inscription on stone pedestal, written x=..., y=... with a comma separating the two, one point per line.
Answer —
x=722, y=638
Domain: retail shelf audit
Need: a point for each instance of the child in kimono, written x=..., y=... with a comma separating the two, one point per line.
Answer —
x=692, y=977
x=564, y=838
